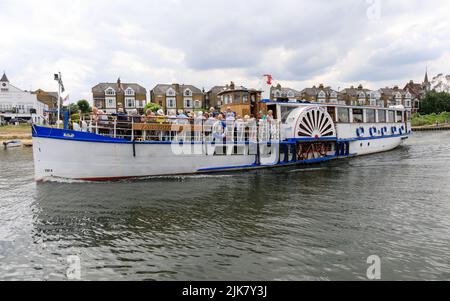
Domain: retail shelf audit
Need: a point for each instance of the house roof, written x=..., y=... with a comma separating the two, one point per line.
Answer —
x=314, y=91
x=285, y=91
x=163, y=88
x=4, y=78
x=217, y=89
x=352, y=91
x=392, y=92
x=100, y=88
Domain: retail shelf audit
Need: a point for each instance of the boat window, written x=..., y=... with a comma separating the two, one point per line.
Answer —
x=399, y=116
x=358, y=115
x=391, y=115
x=343, y=115
x=382, y=116
x=332, y=112
x=370, y=116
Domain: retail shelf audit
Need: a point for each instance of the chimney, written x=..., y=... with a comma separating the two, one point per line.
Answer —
x=360, y=87
x=321, y=86
x=232, y=86
x=176, y=87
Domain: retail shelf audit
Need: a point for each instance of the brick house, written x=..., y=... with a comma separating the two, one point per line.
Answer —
x=110, y=96
x=176, y=97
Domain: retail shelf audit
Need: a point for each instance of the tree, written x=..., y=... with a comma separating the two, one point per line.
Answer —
x=84, y=106
x=152, y=106
x=73, y=108
x=435, y=102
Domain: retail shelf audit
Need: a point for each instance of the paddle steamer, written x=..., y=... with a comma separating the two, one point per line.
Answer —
x=133, y=147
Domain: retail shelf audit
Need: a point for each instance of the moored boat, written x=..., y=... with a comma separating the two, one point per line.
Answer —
x=12, y=144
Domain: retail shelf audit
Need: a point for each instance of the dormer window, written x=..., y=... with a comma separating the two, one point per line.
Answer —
x=408, y=95
x=129, y=92
x=322, y=94
x=362, y=96
x=277, y=94
x=187, y=92
x=398, y=96
x=110, y=92
x=333, y=95
x=291, y=94
x=171, y=92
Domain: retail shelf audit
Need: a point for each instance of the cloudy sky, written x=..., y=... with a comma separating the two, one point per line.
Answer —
x=205, y=43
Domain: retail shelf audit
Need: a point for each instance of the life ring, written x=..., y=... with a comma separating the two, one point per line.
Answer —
x=394, y=130
x=360, y=132
x=373, y=131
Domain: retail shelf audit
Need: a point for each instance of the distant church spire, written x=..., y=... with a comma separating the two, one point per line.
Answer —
x=426, y=77
x=4, y=78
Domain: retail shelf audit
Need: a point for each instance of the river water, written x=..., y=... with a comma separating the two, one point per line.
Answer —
x=315, y=223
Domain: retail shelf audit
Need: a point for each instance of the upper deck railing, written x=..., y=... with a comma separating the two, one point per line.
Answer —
x=172, y=129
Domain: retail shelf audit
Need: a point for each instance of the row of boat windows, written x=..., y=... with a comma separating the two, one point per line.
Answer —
x=349, y=115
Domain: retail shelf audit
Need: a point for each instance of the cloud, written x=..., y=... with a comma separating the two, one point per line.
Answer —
x=206, y=43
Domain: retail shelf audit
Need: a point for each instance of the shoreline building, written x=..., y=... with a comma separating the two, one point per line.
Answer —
x=17, y=104
x=396, y=97
x=418, y=92
x=51, y=100
x=109, y=97
x=212, y=98
x=175, y=97
x=284, y=94
x=321, y=94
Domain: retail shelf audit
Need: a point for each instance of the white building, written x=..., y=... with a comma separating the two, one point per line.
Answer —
x=18, y=104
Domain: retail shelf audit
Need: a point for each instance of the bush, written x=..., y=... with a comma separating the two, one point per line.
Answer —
x=152, y=106
x=430, y=119
x=75, y=118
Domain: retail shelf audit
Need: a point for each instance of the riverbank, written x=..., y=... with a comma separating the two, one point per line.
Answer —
x=11, y=132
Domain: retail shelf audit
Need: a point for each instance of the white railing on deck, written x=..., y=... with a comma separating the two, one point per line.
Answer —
x=171, y=129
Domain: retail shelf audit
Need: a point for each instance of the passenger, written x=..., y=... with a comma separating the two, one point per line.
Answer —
x=269, y=116
x=213, y=112
x=230, y=115
x=161, y=117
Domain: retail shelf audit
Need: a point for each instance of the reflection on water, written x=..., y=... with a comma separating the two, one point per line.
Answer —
x=320, y=222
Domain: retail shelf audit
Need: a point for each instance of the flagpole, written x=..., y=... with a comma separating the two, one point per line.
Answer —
x=59, y=100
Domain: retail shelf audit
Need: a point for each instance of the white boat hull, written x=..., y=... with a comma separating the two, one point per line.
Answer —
x=93, y=161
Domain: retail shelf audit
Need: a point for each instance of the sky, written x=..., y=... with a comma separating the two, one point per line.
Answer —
x=376, y=43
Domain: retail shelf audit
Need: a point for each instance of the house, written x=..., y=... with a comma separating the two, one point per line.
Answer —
x=17, y=104
x=241, y=100
x=362, y=96
x=110, y=96
x=175, y=97
x=321, y=94
x=418, y=92
x=51, y=100
x=212, y=98
x=279, y=93
x=396, y=97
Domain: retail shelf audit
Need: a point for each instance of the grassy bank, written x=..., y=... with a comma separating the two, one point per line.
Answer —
x=431, y=119
x=12, y=132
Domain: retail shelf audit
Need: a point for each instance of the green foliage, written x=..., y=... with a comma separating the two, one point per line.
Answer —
x=431, y=119
x=435, y=102
x=84, y=106
x=75, y=118
x=152, y=106
x=72, y=108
